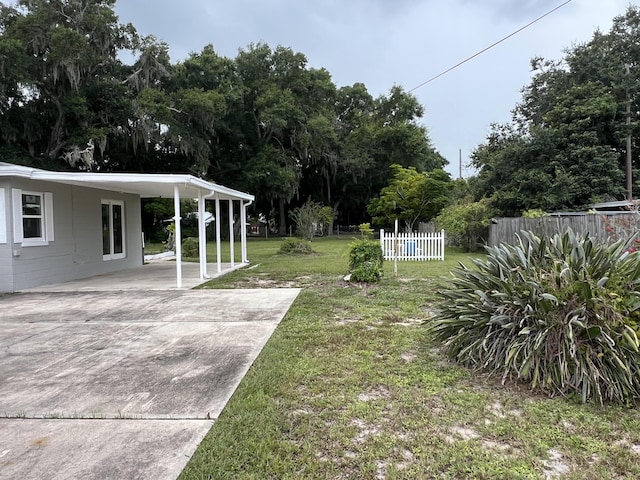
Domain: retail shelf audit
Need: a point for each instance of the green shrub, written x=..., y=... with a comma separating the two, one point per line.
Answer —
x=365, y=261
x=561, y=314
x=311, y=219
x=190, y=247
x=365, y=230
x=467, y=223
x=295, y=246
x=534, y=213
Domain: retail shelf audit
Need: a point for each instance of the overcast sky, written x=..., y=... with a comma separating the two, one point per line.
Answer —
x=382, y=43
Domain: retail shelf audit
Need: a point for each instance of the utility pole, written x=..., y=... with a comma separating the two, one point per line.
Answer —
x=460, y=163
x=629, y=161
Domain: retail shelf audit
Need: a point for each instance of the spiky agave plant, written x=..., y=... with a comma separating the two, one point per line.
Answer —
x=560, y=313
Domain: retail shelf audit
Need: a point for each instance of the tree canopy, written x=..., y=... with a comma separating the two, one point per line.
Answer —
x=411, y=197
x=566, y=145
x=263, y=122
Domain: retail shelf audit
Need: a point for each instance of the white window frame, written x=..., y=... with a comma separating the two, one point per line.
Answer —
x=112, y=255
x=46, y=219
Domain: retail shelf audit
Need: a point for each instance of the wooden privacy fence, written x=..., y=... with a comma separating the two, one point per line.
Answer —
x=604, y=226
x=412, y=246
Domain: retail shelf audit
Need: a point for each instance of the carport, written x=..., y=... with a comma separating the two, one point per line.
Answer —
x=70, y=225
x=187, y=186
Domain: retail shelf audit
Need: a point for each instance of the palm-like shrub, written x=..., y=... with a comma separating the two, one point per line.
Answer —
x=561, y=314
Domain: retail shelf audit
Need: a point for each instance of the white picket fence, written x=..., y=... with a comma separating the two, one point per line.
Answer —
x=412, y=246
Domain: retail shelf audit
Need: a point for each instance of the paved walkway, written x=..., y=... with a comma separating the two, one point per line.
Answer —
x=122, y=384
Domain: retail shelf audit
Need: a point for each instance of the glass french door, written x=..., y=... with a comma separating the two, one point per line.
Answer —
x=113, y=239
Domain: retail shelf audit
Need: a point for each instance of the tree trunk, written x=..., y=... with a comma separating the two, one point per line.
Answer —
x=472, y=243
x=333, y=218
x=282, y=222
x=55, y=139
x=408, y=226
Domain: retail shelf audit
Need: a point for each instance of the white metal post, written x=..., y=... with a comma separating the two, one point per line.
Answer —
x=218, y=246
x=243, y=230
x=202, y=237
x=232, y=251
x=395, y=250
x=178, y=235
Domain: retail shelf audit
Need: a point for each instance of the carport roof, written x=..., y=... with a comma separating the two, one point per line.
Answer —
x=146, y=185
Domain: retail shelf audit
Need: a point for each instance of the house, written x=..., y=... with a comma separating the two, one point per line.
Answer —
x=61, y=226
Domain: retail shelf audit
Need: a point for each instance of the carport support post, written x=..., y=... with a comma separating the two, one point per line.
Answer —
x=218, y=248
x=178, y=235
x=202, y=236
x=243, y=230
x=231, y=238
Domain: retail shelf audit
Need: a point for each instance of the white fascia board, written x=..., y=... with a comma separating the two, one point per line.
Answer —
x=11, y=170
x=93, y=178
x=187, y=184
x=136, y=179
x=229, y=193
x=220, y=189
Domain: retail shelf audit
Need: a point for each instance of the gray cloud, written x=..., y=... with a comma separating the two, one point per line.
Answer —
x=516, y=10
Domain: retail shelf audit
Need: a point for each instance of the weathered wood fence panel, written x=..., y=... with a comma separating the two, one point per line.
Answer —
x=603, y=226
x=412, y=246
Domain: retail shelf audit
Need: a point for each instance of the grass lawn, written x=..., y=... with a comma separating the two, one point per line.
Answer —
x=349, y=387
x=153, y=248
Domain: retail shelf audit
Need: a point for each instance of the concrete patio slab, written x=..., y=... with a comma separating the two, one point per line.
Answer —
x=97, y=449
x=149, y=306
x=155, y=275
x=84, y=374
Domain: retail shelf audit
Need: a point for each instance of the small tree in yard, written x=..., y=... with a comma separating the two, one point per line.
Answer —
x=411, y=197
x=308, y=216
x=466, y=221
x=366, y=231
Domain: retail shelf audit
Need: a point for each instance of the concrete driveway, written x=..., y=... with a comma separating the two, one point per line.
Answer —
x=122, y=384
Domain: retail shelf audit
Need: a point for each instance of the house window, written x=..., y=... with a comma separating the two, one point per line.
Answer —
x=32, y=218
x=113, y=234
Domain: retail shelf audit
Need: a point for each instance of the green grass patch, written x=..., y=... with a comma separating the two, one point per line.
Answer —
x=349, y=386
x=153, y=248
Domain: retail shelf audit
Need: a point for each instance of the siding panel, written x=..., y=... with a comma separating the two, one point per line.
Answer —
x=76, y=251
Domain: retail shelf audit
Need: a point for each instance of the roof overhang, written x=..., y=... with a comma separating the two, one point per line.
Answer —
x=616, y=205
x=147, y=185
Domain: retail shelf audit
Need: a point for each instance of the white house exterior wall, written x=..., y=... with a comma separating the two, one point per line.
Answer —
x=76, y=251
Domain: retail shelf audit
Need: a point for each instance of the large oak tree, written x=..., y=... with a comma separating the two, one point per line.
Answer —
x=263, y=122
x=566, y=146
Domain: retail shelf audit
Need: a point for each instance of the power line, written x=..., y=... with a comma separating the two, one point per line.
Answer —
x=490, y=46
